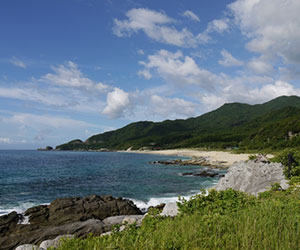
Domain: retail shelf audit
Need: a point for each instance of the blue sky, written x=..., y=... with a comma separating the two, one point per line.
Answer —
x=70, y=69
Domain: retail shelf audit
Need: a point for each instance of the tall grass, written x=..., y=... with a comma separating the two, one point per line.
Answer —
x=273, y=222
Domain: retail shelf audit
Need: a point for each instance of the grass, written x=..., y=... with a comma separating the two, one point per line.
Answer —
x=271, y=221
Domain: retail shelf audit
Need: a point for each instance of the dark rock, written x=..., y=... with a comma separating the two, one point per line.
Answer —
x=66, y=210
x=8, y=222
x=78, y=216
x=79, y=229
x=203, y=174
x=160, y=207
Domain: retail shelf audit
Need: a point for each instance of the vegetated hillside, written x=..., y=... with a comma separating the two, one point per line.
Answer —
x=232, y=125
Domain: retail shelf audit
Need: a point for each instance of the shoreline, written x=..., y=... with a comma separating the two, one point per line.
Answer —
x=227, y=158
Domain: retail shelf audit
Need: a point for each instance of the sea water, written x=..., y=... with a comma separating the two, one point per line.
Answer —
x=29, y=178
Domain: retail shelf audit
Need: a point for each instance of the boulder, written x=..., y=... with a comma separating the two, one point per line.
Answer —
x=27, y=247
x=66, y=210
x=131, y=219
x=78, y=216
x=111, y=221
x=8, y=222
x=55, y=242
x=252, y=177
x=170, y=209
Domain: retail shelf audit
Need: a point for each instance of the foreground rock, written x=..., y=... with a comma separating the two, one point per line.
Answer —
x=170, y=209
x=77, y=216
x=252, y=177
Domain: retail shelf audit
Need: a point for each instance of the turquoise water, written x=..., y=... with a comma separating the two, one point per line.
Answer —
x=29, y=178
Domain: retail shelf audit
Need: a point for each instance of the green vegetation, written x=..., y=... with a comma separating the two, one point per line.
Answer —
x=222, y=220
x=284, y=157
x=270, y=126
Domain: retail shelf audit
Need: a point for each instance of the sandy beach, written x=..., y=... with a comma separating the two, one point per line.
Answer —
x=227, y=158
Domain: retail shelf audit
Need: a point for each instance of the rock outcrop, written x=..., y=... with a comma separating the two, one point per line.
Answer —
x=252, y=177
x=77, y=216
x=170, y=209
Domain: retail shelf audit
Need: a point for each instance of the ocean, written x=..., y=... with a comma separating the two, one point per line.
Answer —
x=29, y=178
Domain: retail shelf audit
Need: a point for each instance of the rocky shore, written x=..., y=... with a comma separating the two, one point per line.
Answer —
x=66, y=216
x=43, y=226
x=195, y=161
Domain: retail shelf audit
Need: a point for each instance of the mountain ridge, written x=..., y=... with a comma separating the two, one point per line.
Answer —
x=231, y=125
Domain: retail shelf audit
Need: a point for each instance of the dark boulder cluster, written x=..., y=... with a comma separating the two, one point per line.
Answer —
x=76, y=216
x=204, y=174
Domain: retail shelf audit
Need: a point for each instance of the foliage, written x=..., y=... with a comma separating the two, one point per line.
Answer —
x=263, y=223
x=283, y=159
x=216, y=202
x=234, y=125
x=252, y=157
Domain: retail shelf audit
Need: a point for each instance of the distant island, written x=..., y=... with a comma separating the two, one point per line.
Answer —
x=272, y=125
x=48, y=148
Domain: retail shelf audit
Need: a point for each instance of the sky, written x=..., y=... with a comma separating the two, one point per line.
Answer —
x=74, y=68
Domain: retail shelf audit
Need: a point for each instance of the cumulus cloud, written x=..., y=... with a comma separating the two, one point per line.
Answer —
x=71, y=76
x=179, y=69
x=228, y=60
x=272, y=27
x=17, y=62
x=191, y=15
x=156, y=25
x=117, y=102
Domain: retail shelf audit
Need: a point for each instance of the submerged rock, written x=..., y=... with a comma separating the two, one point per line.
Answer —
x=252, y=177
x=203, y=174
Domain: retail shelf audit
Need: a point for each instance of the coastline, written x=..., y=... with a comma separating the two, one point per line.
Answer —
x=227, y=158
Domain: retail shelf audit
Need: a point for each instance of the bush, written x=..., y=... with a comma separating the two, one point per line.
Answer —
x=216, y=202
x=283, y=159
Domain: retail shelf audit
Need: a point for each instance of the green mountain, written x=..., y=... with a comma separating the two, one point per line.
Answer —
x=274, y=124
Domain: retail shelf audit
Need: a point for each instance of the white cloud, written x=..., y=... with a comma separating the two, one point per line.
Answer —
x=17, y=62
x=172, y=107
x=71, y=76
x=181, y=70
x=156, y=25
x=117, y=102
x=228, y=60
x=218, y=25
x=28, y=129
x=272, y=27
x=190, y=14
x=260, y=66
x=31, y=94
x=140, y=52
x=236, y=92
x=145, y=73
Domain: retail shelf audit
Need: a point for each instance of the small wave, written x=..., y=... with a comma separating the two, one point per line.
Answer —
x=19, y=208
x=155, y=201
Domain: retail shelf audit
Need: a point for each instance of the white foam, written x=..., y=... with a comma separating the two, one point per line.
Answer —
x=144, y=205
x=19, y=208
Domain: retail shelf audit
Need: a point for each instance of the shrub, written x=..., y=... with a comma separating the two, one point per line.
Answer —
x=217, y=202
x=283, y=159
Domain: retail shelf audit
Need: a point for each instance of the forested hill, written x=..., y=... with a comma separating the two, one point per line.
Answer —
x=274, y=124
